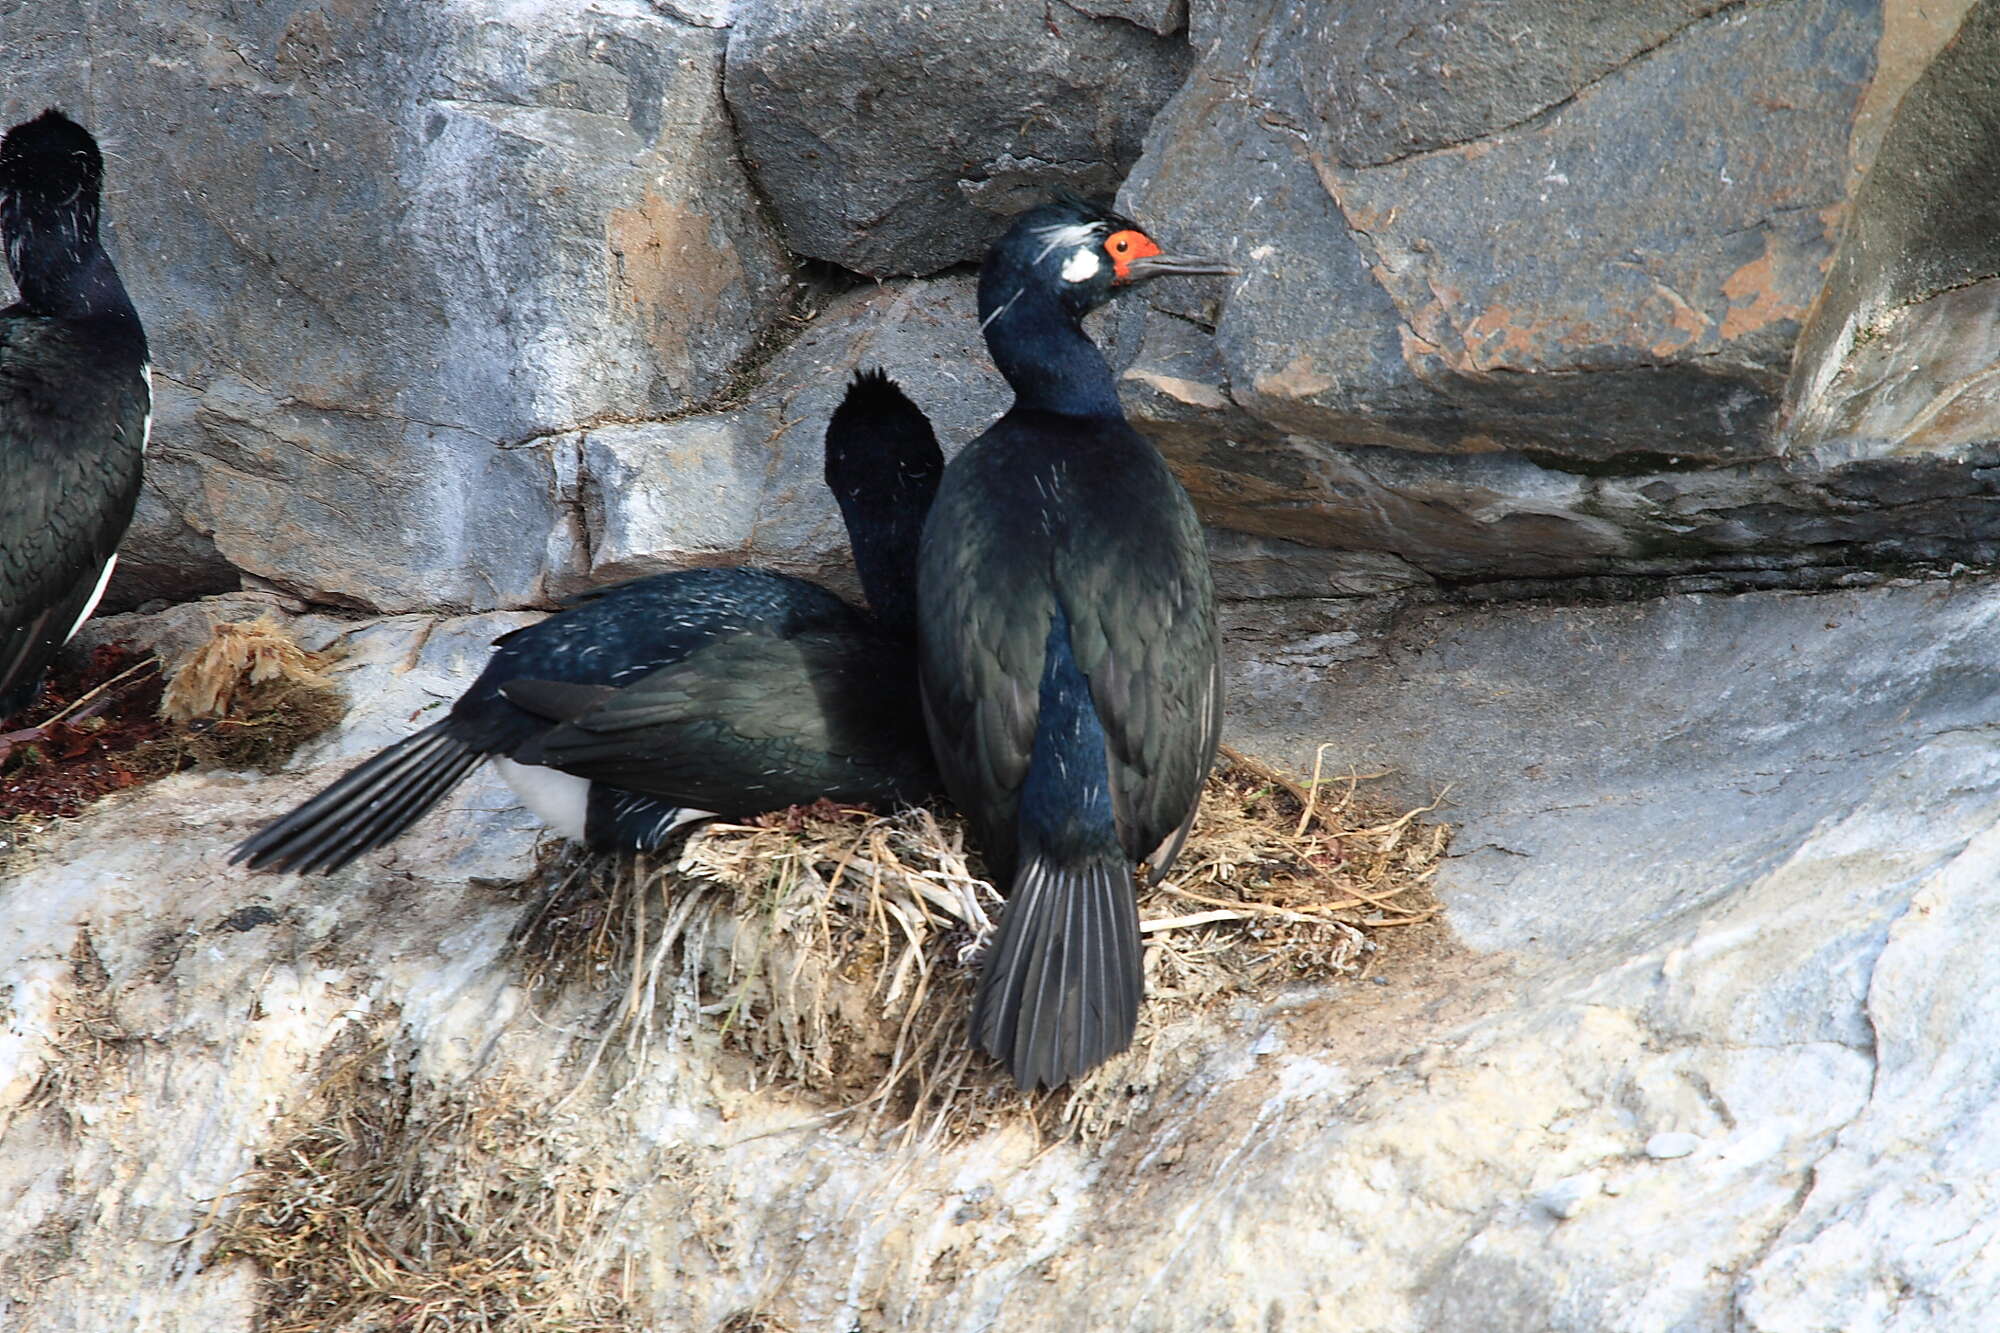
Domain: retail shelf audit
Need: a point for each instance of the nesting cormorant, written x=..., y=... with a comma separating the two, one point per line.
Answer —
x=75, y=400
x=668, y=698
x=1067, y=648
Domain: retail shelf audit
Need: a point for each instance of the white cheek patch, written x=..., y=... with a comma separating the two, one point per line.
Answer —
x=1081, y=266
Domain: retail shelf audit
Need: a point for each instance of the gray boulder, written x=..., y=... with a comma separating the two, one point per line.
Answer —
x=745, y=484
x=1900, y=349
x=1589, y=249
x=382, y=253
x=893, y=139
x=1527, y=308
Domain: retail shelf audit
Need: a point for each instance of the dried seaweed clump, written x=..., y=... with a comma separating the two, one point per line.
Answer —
x=91, y=731
x=390, y=1205
x=249, y=697
x=837, y=949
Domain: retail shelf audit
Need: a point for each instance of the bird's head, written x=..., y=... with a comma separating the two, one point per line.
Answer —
x=50, y=158
x=1077, y=253
x=883, y=466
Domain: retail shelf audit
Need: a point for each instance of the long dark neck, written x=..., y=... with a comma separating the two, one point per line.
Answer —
x=1045, y=355
x=885, y=556
x=58, y=263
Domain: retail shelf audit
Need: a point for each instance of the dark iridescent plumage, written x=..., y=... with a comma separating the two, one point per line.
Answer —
x=74, y=400
x=1068, y=652
x=728, y=691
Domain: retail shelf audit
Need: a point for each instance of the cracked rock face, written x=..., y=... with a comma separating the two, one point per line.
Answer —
x=747, y=484
x=1716, y=1054
x=1899, y=351
x=1557, y=232
x=898, y=139
x=380, y=249
x=1520, y=297
x=465, y=305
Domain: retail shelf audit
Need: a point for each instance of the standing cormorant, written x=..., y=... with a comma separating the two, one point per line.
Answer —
x=75, y=400
x=665, y=699
x=1067, y=648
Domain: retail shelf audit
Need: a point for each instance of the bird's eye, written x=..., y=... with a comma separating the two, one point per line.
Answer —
x=1126, y=246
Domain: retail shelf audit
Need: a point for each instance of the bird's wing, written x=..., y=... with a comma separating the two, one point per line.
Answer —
x=71, y=458
x=1141, y=608
x=746, y=723
x=983, y=632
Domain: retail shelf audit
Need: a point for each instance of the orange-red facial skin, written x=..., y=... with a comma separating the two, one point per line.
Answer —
x=1126, y=246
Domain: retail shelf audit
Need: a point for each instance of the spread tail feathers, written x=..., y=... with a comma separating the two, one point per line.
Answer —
x=1060, y=991
x=369, y=806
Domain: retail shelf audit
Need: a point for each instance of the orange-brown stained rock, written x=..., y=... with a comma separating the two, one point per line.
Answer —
x=1495, y=340
x=666, y=267
x=1755, y=301
x=1680, y=318
x=1300, y=378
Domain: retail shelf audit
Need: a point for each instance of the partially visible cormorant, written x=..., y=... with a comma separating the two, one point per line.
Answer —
x=668, y=698
x=1067, y=648
x=75, y=400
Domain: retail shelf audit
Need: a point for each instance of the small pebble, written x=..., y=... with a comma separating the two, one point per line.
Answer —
x=1268, y=1042
x=1661, y=1147
x=1381, y=981
x=1565, y=1199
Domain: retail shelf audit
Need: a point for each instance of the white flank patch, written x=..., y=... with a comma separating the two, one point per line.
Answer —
x=1081, y=266
x=557, y=799
x=146, y=431
x=103, y=577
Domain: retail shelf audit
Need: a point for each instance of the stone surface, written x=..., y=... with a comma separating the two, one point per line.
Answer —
x=1923, y=383
x=1683, y=744
x=747, y=483
x=1481, y=252
x=1668, y=1146
x=1408, y=79
x=1923, y=236
x=898, y=139
x=1165, y=17
x=1750, y=910
x=1408, y=367
x=382, y=251
x=417, y=275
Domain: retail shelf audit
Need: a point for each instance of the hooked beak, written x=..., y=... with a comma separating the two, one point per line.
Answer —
x=1160, y=266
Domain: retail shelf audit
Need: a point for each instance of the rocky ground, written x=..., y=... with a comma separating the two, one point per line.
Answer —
x=1704, y=1054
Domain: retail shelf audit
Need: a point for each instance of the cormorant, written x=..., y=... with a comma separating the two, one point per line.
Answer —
x=1067, y=648
x=665, y=699
x=75, y=400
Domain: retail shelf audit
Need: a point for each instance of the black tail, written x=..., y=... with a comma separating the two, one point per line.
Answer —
x=369, y=806
x=1060, y=990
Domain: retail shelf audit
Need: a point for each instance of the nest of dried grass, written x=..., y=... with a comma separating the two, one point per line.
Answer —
x=391, y=1205
x=837, y=948
x=835, y=951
